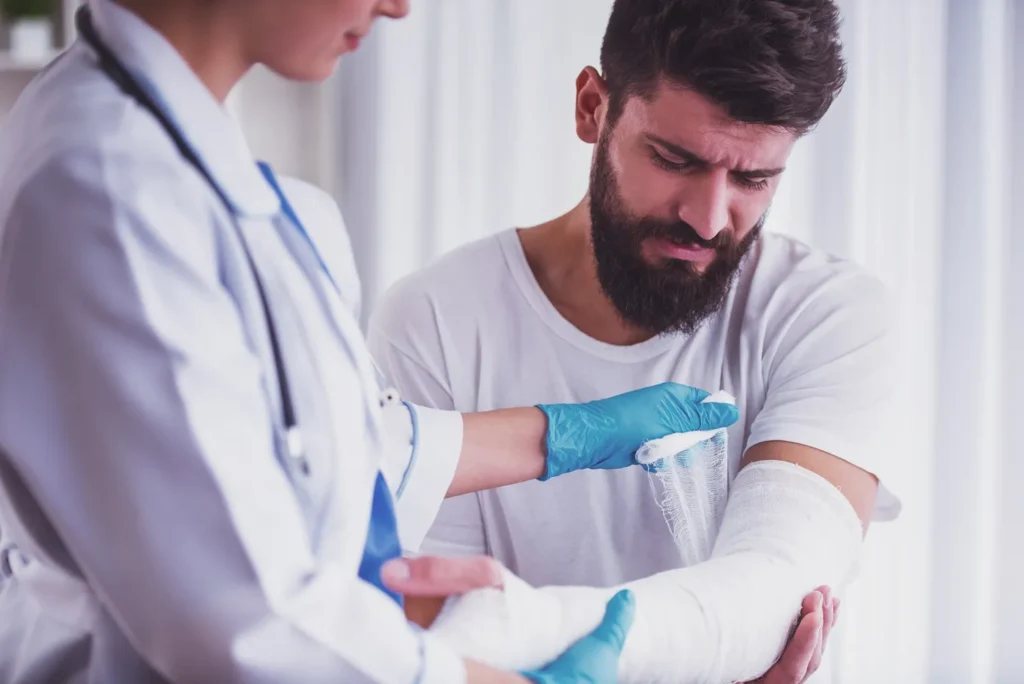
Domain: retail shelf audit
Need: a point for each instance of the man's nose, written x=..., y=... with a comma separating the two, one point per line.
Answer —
x=705, y=205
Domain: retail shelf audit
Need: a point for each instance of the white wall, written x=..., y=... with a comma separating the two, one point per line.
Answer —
x=459, y=122
x=290, y=125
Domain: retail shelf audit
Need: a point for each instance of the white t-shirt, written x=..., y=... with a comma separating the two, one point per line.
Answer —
x=803, y=343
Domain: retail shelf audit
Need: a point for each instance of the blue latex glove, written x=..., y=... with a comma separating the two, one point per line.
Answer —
x=605, y=434
x=594, y=659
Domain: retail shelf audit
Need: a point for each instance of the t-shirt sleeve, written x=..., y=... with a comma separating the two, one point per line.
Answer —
x=405, y=343
x=830, y=376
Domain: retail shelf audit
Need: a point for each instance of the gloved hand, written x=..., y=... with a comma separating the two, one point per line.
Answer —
x=605, y=434
x=594, y=659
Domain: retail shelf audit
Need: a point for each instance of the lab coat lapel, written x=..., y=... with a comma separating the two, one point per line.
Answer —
x=204, y=122
x=344, y=325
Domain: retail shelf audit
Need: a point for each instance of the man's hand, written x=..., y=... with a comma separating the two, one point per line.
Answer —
x=802, y=655
x=427, y=582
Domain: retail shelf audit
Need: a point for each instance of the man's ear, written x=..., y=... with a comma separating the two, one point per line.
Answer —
x=591, y=105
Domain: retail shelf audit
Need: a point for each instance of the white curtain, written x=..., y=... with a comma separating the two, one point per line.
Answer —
x=458, y=122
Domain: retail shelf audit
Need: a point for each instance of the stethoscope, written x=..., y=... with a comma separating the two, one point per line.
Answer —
x=120, y=75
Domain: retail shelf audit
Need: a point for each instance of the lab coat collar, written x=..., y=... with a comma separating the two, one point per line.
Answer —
x=203, y=121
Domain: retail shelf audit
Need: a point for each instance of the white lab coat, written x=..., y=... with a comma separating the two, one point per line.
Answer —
x=139, y=405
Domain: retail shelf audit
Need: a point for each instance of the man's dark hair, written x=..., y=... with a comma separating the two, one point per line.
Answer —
x=771, y=62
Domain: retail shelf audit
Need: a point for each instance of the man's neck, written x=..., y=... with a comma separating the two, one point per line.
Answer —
x=205, y=34
x=561, y=255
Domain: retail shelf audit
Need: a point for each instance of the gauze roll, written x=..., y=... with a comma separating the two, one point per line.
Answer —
x=692, y=470
x=785, y=532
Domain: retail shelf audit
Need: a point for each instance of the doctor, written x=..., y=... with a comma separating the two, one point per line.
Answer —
x=194, y=447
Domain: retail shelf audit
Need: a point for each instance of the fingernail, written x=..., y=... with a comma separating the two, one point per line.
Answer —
x=395, y=570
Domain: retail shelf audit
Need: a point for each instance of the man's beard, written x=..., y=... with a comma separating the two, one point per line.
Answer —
x=670, y=297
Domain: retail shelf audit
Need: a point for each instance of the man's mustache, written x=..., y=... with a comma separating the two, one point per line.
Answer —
x=681, y=233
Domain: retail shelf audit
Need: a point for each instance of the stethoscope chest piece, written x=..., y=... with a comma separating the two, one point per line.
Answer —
x=296, y=449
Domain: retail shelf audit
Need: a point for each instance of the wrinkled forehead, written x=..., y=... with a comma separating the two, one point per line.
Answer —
x=684, y=118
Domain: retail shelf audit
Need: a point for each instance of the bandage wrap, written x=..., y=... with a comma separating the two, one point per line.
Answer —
x=785, y=532
x=690, y=482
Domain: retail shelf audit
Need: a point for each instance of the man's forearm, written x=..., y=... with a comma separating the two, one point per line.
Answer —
x=785, y=530
x=500, y=448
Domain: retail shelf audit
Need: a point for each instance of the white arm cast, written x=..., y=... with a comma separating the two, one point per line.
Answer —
x=785, y=532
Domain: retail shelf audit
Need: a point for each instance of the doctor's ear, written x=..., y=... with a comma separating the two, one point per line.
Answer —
x=591, y=105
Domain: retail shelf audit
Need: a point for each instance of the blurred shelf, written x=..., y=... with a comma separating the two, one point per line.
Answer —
x=9, y=63
x=62, y=35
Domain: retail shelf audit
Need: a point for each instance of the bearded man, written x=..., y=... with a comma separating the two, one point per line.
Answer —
x=663, y=272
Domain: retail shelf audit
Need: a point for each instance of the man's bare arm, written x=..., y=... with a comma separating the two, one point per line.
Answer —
x=858, y=486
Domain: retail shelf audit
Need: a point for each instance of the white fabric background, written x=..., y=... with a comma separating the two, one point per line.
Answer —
x=458, y=122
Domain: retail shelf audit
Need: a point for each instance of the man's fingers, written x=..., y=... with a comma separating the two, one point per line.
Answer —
x=824, y=599
x=811, y=650
x=811, y=602
x=802, y=655
x=431, y=576
x=618, y=618
x=828, y=607
x=819, y=647
x=796, y=658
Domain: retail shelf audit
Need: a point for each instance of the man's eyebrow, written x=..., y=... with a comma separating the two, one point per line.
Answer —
x=759, y=173
x=695, y=159
x=678, y=151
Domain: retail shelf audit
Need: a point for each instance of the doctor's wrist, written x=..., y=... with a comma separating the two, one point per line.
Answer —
x=481, y=674
x=500, y=448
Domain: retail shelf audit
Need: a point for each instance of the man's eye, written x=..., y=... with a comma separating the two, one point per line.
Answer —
x=753, y=183
x=667, y=164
